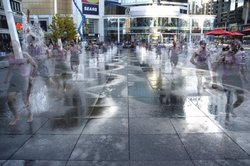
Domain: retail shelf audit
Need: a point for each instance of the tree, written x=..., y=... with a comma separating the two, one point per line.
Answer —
x=63, y=28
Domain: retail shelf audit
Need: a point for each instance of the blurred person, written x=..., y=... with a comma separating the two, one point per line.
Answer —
x=39, y=52
x=201, y=60
x=232, y=78
x=61, y=67
x=158, y=50
x=18, y=77
x=74, y=58
x=173, y=54
x=242, y=56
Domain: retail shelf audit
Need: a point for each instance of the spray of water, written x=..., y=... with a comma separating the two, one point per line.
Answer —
x=30, y=32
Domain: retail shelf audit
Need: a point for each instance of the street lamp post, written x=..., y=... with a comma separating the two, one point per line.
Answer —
x=12, y=29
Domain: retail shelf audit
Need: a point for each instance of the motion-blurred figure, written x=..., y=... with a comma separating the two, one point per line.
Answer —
x=201, y=60
x=18, y=77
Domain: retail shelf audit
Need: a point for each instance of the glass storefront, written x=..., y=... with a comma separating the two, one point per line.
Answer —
x=117, y=28
x=155, y=29
x=90, y=29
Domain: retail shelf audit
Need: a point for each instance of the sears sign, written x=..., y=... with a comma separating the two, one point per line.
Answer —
x=90, y=7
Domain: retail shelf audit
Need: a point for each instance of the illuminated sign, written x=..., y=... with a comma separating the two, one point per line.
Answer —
x=90, y=7
x=90, y=1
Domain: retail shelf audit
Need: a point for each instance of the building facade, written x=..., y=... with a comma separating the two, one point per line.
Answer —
x=148, y=20
x=121, y=20
x=232, y=15
x=46, y=9
x=92, y=10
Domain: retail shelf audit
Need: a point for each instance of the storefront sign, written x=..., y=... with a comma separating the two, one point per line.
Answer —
x=90, y=7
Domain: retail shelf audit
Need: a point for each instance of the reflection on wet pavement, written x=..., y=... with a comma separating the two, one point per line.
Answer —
x=128, y=109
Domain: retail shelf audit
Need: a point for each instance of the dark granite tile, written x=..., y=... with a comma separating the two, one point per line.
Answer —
x=109, y=101
x=144, y=102
x=47, y=147
x=134, y=79
x=221, y=162
x=63, y=126
x=232, y=123
x=109, y=112
x=152, y=111
x=161, y=163
x=135, y=71
x=2, y=161
x=34, y=163
x=156, y=148
x=101, y=148
x=106, y=126
x=195, y=125
x=140, y=89
x=113, y=91
x=9, y=144
x=22, y=127
x=182, y=110
x=242, y=139
x=212, y=146
x=97, y=163
x=150, y=126
x=67, y=112
x=212, y=105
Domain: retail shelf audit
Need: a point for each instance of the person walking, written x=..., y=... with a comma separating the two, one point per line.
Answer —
x=74, y=58
x=173, y=54
x=232, y=77
x=201, y=60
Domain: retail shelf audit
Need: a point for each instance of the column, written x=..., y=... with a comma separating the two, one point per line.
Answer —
x=190, y=29
x=202, y=27
x=12, y=29
x=101, y=22
x=118, y=30
x=55, y=7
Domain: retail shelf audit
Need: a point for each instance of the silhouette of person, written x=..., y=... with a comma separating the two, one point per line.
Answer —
x=201, y=60
x=232, y=74
x=61, y=67
x=174, y=56
x=18, y=77
x=74, y=58
x=39, y=52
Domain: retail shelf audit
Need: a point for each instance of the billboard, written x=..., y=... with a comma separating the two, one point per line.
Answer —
x=180, y=1
x=90, y=7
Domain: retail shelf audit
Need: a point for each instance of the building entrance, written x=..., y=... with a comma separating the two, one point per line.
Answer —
x=155, y=38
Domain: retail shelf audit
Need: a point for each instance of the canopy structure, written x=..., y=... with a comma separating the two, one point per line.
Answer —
x=218, y=32
x=235, y=34
x=246, y=30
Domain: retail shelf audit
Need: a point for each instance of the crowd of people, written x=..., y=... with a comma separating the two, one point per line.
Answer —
x=217, y=67
x=22, y=72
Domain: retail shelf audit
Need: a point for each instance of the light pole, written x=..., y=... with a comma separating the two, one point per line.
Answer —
x=247, y=10
x=12, y=29
x=55, y=7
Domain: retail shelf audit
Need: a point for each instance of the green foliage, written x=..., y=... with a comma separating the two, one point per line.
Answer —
x=63, y=27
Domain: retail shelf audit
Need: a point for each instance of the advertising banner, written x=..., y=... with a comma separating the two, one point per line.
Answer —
x=90, y=7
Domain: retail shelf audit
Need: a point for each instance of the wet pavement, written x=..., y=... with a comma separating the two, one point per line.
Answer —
x=127, y=109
